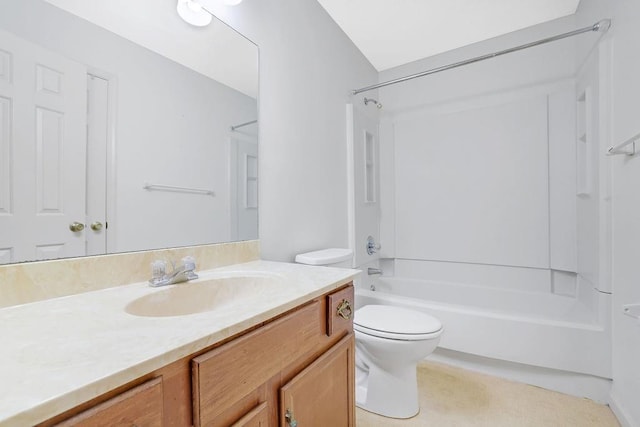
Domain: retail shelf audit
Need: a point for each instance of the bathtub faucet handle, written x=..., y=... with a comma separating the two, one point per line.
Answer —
x=372, y=246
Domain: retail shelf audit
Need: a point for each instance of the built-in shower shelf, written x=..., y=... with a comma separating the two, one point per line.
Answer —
x=627, y=147
x=632, y=310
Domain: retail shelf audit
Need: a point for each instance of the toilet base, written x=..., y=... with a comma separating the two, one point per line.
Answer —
x=391, y=394
x=386, y=366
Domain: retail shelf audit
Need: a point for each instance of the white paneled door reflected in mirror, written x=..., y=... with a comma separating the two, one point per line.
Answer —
x=119, y=130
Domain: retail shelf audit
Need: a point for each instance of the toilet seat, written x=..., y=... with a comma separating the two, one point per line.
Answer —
x=396, y=323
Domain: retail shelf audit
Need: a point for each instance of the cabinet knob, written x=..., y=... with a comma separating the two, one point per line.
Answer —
x=288, y=416
x=76, y=226
x=96, y=226
x=344, y=309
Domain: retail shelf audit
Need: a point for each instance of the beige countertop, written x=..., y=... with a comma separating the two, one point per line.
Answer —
x=58, y=353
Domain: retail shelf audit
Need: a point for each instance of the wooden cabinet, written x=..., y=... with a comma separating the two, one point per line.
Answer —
x=301, y=361
x=340, y=312
x=321, y=395
x=140, y=406
x=307, y=353
x=258, y=417
x=224, y=377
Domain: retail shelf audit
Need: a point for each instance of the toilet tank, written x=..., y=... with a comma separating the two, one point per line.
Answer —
x=334, y=257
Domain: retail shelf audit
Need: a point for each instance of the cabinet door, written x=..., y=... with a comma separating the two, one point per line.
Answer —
x=231, y=379
x=140, y=406
x=259, y=417
x=323, y=393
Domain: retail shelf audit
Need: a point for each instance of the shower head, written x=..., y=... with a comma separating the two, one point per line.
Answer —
x=368, y=100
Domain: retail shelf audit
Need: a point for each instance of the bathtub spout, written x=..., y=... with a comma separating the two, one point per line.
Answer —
x=372, y=271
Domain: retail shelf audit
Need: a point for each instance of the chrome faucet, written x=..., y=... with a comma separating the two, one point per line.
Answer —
x=182, y=273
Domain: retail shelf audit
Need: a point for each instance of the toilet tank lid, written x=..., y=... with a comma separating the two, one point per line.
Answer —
x=325, y=256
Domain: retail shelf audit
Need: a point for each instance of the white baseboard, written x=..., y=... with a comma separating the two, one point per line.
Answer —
x=623, y=416
x=581, y=385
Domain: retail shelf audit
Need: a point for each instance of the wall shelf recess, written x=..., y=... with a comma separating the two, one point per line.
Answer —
x=627, y=147
x=632, y=310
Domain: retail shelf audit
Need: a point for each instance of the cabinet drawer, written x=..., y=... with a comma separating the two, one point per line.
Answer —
x=225, y=375
x=141, y=406
x=340, y=310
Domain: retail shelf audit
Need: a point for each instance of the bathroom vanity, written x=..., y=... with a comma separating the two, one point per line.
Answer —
x=277, y=348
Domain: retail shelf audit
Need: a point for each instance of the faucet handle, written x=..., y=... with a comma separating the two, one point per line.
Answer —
x=158, y=268
x=189, y=263
x=189, y=266
x=372, y=246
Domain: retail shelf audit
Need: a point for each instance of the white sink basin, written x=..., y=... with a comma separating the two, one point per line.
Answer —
x=202, y=295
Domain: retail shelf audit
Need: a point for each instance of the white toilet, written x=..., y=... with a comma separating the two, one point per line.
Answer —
x=390, y=341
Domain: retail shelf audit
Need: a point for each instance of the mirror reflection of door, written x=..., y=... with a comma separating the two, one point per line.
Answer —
x=43, y=153
x=244, y=187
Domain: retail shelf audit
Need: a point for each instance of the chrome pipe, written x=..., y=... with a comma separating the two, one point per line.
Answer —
x=374, y=271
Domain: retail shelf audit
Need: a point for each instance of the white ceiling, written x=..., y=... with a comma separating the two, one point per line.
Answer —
x=394, y=32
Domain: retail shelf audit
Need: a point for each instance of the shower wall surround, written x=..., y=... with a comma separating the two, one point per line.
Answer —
x=604, y=222
x=475, y=179
x=483, y=157
x=625, y=198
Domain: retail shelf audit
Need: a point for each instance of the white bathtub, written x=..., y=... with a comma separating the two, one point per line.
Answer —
x=532, y=328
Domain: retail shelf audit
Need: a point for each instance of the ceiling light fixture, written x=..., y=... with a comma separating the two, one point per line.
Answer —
x=193, y=13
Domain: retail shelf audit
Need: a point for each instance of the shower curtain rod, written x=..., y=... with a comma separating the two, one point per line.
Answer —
x=243, y=124
x=600, y=26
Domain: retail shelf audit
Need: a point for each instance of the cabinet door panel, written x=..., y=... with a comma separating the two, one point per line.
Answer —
x=259, y=417
x=322, y=394
x=140, y=406
x=223, y=376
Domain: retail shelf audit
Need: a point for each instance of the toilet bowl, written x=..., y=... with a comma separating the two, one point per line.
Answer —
x=390, y=341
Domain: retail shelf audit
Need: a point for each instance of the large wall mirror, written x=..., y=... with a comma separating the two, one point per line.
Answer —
x=123, y=128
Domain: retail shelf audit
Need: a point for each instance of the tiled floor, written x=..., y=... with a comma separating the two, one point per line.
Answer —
x=451, y=396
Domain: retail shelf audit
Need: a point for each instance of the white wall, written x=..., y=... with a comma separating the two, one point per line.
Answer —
x=625, y=198
x=307, y=68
